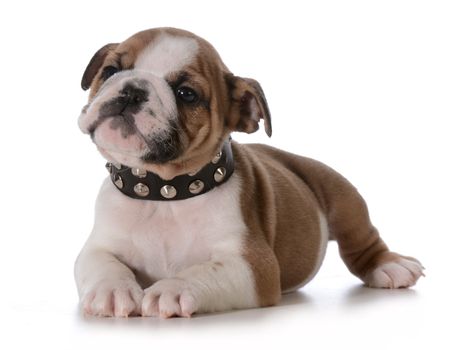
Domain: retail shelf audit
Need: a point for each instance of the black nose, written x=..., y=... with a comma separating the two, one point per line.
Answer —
x=127, y=103
x=133, y=95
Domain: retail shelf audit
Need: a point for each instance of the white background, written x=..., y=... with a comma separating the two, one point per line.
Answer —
x=370, y=88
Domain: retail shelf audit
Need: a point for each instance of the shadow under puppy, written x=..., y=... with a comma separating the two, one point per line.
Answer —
x=189, y=221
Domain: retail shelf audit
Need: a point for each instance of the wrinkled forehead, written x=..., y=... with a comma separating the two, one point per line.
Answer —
x=159, y=52
x=167, y=54
x=164, y=51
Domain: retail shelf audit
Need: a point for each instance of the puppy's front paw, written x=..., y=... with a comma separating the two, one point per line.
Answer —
x=402, y=273
x=169, y=297
x=113, y=298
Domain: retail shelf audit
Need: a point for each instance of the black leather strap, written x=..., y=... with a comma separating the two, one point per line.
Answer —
x=147, y=185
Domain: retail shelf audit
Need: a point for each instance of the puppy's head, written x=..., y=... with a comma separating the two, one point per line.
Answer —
x=164, y=101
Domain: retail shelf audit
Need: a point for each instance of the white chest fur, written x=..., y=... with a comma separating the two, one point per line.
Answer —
x=160, y=239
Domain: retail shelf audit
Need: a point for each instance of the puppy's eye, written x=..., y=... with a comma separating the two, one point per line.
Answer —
x=186, y=94
x=109, y=71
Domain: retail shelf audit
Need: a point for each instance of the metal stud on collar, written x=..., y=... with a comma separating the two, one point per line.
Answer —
x=138, y=172
x=196, y=186
x=217, y=157
x=168, y=191
x=219, y=174
x=118, y=182
x=141, y=190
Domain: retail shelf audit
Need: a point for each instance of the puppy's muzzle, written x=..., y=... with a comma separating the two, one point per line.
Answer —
x=134, y=113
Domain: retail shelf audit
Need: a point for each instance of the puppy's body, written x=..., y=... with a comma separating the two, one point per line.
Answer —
x=240, y=245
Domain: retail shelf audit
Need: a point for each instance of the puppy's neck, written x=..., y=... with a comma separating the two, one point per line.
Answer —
x=142, y=184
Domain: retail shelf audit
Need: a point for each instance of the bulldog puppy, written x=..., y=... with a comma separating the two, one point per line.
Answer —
x=191, y=222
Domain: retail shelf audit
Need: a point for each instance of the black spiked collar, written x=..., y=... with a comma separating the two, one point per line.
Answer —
x=140, y=184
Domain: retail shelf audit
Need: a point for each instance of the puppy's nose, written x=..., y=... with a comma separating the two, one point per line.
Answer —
x=133, y=95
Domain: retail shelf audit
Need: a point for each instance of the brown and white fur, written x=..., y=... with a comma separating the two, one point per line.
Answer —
x=262, y=233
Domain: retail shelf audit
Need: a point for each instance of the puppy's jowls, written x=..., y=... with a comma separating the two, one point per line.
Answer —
x=189, y=223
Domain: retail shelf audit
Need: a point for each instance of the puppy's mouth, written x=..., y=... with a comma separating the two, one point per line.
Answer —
x=151, y=149
x=119, y=118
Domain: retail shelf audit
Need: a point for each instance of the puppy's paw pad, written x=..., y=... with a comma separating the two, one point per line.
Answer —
x=168, y=298
x=401, y=273
x=110, y=299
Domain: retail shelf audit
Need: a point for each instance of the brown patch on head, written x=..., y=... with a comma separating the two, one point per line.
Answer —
x=121, y=56
x=229, y=103
x=202, y=123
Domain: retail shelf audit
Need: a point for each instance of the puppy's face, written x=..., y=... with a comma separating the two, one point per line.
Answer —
x=164, y=101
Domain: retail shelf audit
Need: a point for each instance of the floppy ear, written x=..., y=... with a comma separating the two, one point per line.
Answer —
x=94, y=65
x=248, y=105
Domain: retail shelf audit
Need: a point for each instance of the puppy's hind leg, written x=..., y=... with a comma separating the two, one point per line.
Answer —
x=361, y=247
